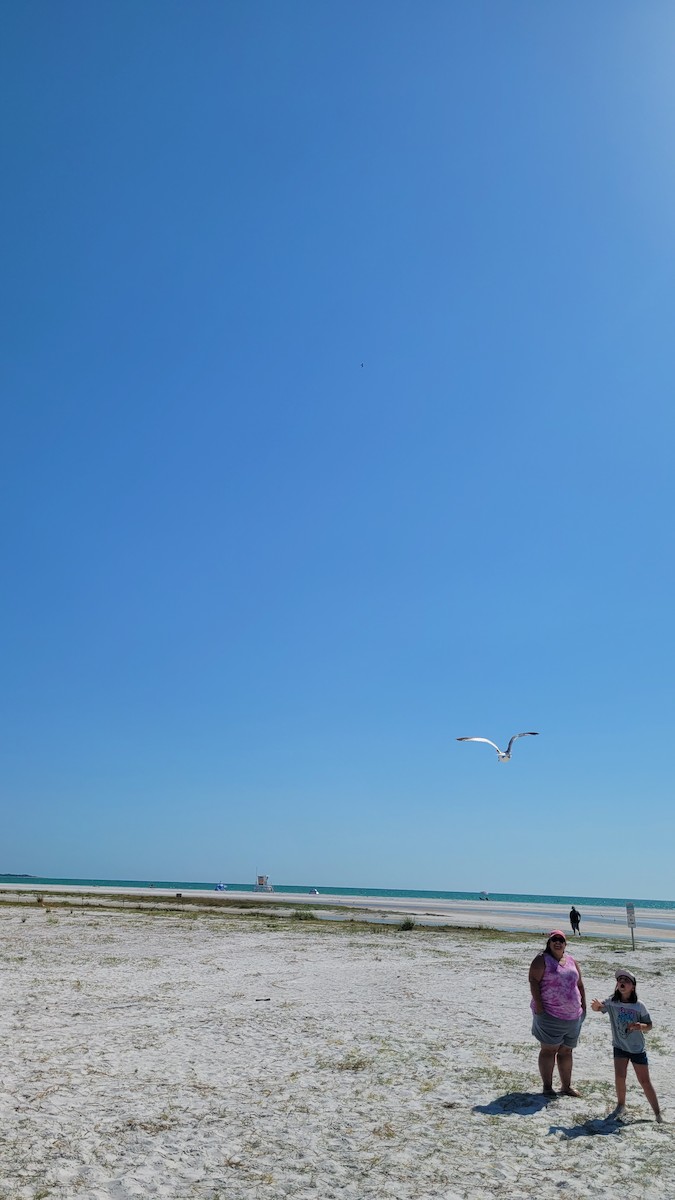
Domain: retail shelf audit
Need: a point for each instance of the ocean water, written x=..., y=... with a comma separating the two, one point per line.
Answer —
x=183, y=885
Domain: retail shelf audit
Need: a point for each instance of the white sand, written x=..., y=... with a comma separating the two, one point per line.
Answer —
x=658, y=924
x=142, y=1060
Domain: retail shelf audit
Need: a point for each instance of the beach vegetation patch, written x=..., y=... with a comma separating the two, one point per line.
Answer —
x=597, y=1087
x=657, y=1043
x=406, y=924
x=429, y=1086
x=505, y=1081
x=385, y=1131
x=233, y=1160
x=160, y=1124
x=303, y=914
x=353, y=1061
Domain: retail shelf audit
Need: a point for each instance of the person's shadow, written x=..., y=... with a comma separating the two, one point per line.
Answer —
x=526, y=1104
x=519, y=1104
x=595, y=1127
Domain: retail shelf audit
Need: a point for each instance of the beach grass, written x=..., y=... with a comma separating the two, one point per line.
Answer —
x=253, y=910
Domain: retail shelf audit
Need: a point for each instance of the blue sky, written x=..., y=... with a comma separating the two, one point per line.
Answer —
x=253, y=589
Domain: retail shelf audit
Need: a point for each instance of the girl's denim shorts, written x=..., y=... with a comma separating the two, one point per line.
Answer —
x=639, y=1058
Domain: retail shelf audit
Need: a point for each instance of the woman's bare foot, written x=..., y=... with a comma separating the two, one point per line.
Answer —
x=570, y=1091
x=549, y=1091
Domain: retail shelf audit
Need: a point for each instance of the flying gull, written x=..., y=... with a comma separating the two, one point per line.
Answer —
x=502, y=755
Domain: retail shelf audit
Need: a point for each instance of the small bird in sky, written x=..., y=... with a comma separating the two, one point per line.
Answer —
x=502, y=755
x=361, y=364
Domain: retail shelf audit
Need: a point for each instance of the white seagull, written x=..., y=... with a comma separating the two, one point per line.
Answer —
x=502, y=755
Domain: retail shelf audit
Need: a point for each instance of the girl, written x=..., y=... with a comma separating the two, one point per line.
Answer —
x=629, y=1020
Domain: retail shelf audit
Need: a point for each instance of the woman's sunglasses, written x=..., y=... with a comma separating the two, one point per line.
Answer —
x=563, y=941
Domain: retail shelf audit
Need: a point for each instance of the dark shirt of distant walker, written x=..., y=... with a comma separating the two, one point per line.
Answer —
x=575, y=918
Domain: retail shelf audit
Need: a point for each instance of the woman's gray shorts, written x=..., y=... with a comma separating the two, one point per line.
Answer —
x=552, y=1031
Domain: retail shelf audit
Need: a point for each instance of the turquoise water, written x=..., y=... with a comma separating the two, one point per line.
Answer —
x=401, y=893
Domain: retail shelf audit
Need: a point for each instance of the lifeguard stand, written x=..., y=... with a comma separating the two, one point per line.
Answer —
x=262, y=884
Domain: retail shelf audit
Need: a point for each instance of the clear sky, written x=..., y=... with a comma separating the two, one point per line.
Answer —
x=337, y=375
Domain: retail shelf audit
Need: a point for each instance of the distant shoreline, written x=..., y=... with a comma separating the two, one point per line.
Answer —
x=330, y=892
x=536, y=918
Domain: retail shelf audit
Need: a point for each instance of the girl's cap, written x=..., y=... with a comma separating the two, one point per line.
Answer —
x=622, y=974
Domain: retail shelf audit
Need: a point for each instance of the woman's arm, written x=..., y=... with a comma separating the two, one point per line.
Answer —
x=582, y=989
x=537, y=968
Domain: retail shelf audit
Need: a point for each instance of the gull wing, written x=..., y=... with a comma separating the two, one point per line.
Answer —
x=517, y=735
x=481, y=740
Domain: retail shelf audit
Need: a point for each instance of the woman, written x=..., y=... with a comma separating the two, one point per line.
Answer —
x=559, y=1007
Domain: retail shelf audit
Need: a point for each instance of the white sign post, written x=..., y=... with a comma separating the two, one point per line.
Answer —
x=630, y=917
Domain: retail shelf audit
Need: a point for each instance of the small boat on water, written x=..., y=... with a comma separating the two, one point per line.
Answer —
x=314, y=892
x=220, y=887
x=483, y=896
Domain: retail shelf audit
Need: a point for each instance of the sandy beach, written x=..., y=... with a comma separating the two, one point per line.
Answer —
x=607, y=921
x=207, y=1055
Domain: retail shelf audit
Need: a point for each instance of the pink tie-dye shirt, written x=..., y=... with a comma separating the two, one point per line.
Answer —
x=559, y=988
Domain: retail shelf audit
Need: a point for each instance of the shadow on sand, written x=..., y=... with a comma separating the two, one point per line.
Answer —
x=522, y=1104
x=596, y=1127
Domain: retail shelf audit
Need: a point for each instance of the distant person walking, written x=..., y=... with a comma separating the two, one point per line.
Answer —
x=559, y=1008
x=630, y=1021
x=575, y=918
